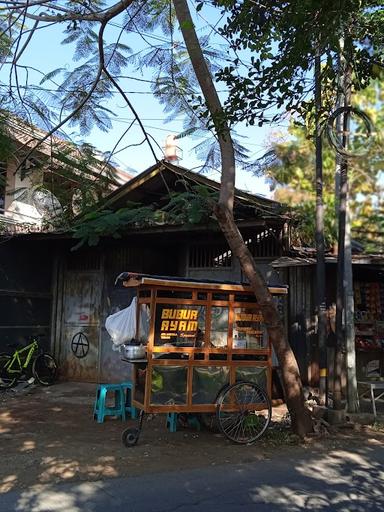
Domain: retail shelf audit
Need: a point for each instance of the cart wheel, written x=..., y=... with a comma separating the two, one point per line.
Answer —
x=130, y=436
x=243, y=412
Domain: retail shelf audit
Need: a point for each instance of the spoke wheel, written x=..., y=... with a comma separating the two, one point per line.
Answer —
x=130, y=436
x=7, y=377
x=243, y=412
x=44, y=369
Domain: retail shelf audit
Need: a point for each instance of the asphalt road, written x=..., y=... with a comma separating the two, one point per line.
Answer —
x=340, y=480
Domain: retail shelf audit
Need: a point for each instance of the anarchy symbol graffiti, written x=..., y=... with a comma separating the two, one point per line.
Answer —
x=80, y=345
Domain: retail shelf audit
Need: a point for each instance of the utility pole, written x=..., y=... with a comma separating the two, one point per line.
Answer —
x=320, y=251
x=352, y=393
x=344, y=302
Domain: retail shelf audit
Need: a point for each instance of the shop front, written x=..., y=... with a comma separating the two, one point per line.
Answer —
x=369, y=327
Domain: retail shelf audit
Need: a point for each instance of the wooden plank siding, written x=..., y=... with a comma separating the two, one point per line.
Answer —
x=301, y=323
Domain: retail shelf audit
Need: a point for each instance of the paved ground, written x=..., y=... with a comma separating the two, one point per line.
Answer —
x=55, y=457
x=340, y=480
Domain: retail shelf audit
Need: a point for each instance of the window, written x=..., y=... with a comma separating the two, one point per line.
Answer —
x=209, y=256
x=219, y=327
x=266, y=243
x=248, y=329
x=179, y=325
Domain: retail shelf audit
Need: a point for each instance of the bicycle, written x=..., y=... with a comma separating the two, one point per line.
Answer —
x=30, y=357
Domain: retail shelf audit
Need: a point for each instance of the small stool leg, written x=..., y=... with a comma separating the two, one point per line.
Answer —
x=96, y=404
x=171, y=422
x=101, y=405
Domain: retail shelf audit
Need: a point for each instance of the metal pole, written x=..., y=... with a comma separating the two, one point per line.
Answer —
x=338, y=363
x=345, y=304
x=352, y=393
x=343, y=191
x=320, y=250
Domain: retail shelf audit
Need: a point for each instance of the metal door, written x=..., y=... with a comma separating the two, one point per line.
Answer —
x=79, y=352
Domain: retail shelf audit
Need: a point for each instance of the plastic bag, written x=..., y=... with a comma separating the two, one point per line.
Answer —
x=144, y=323
x=121, y=326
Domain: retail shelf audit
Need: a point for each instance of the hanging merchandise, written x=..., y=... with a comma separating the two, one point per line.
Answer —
x=369, y=328
x=121, y=326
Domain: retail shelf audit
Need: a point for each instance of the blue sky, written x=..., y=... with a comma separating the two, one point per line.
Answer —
x=45, y=52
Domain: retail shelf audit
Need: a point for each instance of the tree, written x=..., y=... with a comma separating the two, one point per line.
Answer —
x=347, y=36
x=95, y=79
x=224, y=213
x=290, y=172
x=284, y=38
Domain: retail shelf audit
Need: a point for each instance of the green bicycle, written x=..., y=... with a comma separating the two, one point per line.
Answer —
x=12, y=367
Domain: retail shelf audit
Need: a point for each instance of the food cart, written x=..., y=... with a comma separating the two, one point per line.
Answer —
x=206, y=351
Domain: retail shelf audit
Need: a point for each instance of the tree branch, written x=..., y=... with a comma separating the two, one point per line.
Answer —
x=83, y=101
x=126, y=99
x=100, y=16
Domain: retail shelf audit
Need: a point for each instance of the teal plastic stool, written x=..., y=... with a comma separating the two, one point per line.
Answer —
x=100, y=410
x=127, y=387
x=172, y=421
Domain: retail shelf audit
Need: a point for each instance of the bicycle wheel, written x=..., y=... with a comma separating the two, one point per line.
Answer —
x=44, y=369
x=8, y=378
x=243, y=412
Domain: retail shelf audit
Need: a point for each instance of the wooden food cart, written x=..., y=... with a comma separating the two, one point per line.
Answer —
x=207, y=351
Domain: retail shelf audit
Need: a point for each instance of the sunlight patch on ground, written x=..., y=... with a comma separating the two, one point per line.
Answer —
x=329, y=467
x=55, y=444
x=286, y=497
x=101, y=470
x=294, y=500
x=5, y=420
x=27, y=446
x=375, y=442
x=8, y=483
x=42, y=499
x=54, y=469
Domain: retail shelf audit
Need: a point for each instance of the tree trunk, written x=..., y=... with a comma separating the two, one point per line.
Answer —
x=301, y=419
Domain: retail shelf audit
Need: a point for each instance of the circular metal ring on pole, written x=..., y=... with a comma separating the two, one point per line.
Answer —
x=335, y=141
x=80, y=345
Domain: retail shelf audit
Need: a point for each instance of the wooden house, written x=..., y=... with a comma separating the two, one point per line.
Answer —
x=74, y=291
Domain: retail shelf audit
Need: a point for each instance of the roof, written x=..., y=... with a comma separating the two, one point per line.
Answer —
x=154, y=186
x=29, y=137
x=130, y=279
x=164, y=177
x=302, y=261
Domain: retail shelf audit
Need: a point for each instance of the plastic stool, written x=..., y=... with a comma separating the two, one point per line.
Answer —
x=193, y=422
x=127, y=387
x=172, y=421
x=100, y=409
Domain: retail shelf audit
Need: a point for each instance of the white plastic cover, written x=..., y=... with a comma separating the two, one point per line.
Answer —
x=121, y=326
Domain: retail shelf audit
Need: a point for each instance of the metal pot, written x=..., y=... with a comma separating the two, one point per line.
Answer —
x=134, y=352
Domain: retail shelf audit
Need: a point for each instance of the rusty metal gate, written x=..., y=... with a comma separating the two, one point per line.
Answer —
x=79, y=354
